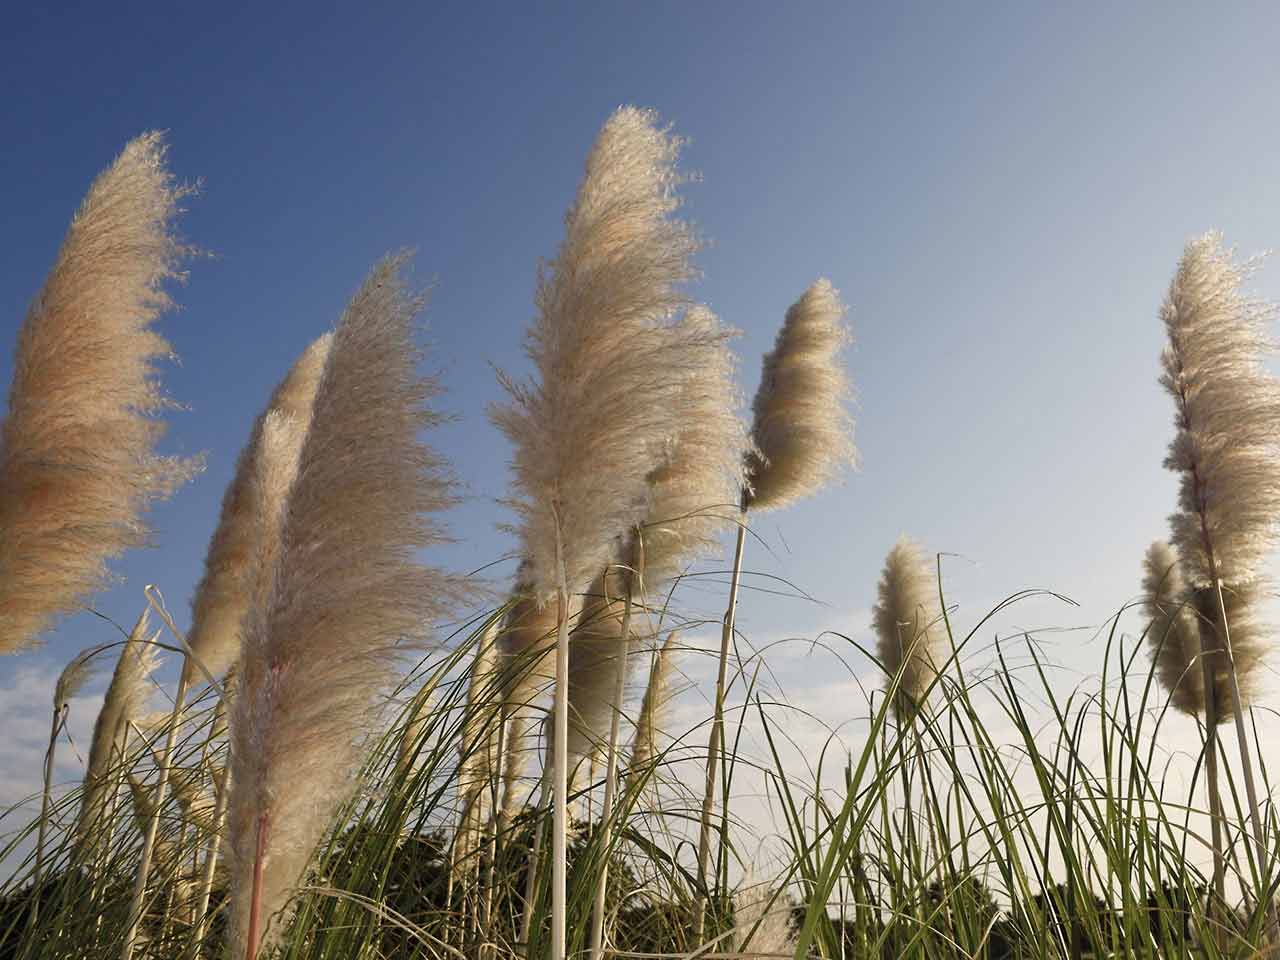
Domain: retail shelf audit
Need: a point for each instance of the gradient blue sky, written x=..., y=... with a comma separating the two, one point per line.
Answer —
x=1000, y=191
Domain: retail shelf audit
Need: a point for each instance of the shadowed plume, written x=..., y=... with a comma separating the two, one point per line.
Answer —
x=1174, y=634
x=908, y=625
x=802, y=431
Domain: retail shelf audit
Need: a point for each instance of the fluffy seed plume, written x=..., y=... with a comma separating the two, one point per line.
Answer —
x=803, y=432
x=77, y=461
x=125, y=697
x=594, y=648
x=909, y=625
x=1226, y=449
x=596, y=423
x=694, y=494
x=1174, y=634
x=251, y=512
x=347, y=591
x=654, y=707
x=73, y=678
x=527, y=665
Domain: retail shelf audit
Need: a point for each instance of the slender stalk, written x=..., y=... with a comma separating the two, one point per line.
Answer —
x=255, y=901
x=1217, y=904
x=531, y=872
x=611, y=771
x=716, y=743
x=59, y=715
x=560, y=775
x=1246, y=761
x=153, y=827
x=210, y=862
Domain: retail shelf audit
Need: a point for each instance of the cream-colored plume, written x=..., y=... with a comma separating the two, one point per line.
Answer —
x=527, y=669
x=908, y=624
x=124, y=700
x=611, y=360
x=1226, y=449
x=247, y=520
x=1174, y=634
x=77, y=461
x=348, y=591
x=654, y=707
x=73, y=678
x=803, y=432
x=693, y=495
x=595, y=645
x=761, y=928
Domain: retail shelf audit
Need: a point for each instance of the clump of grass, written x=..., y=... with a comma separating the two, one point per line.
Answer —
x=78, y=467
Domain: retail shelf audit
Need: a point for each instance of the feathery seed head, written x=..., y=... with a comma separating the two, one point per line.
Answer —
x=653, y=709
x=1226, y=448
x=347, y=591
x=77, y=462
x=124, y=700
x=73, y=678
x=694, y=494
x=908, y=625
x=252, y=509
x=1174, y=634
x=802, y=431
x=595, y=646
x=610, y=359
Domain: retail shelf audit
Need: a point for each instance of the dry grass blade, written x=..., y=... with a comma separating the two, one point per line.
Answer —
x=347, y=592
x=77, y=461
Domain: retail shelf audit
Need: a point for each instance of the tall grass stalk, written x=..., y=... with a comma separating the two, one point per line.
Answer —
x=1227, y=453
x=632, y=580
x=802, y=437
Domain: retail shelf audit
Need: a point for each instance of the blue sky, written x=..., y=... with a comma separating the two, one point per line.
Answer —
x=1001, y=193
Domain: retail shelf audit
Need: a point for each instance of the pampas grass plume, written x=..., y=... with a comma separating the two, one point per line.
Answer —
x=907, y=621
x=122, y=703
x=694, y=494
x=596, y=423
x=1174, y=634
x=802, y=431
x=251, y=511
x=347, y=592
x=77, y=461
x=1226, y=449
x=655, y=706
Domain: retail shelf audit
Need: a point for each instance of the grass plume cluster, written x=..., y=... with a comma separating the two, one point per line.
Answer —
x=344, y=786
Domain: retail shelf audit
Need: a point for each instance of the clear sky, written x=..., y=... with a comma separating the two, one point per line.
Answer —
x=1001, y=192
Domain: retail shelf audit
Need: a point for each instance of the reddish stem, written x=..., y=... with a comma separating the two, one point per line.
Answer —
x=255, y=901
